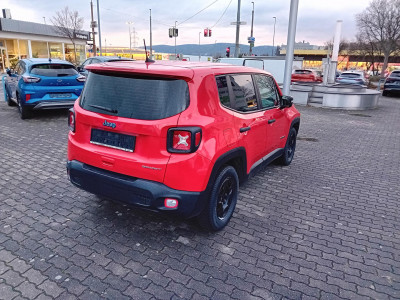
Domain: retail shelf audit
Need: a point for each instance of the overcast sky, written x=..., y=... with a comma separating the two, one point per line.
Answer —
x=315, y=24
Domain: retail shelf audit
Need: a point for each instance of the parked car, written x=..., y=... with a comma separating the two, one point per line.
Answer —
x=306, y=76
x=37, y=84
x=178, y=137
x=99, y=59
x=352, y=77
x=392, y=83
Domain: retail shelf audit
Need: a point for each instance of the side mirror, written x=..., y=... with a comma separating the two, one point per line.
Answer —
x=8, y=71
x=80, y=69
x=286, y=101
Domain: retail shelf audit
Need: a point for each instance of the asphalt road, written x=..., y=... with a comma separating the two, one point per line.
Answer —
x=326, y=227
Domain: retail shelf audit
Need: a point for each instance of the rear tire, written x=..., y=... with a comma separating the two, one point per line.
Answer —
x=222, y=202
x=385, y=93
x=24, y=112
x=290, y=147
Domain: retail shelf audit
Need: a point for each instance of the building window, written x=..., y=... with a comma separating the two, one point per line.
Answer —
x=80, y=53
x=23, y=49
x=39, y=49
x=12, y=51
x=56, y=50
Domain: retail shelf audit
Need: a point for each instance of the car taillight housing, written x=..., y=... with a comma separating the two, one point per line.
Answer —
x=183, y=139
x=81, y=78
x=71, y=120
x=30, y=79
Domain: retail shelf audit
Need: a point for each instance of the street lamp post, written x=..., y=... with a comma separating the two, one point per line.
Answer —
x=130, y=37
x=98, y=24
x=273, y=37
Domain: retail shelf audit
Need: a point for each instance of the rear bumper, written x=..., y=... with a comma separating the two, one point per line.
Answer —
x=53, y=104
x=139, y=192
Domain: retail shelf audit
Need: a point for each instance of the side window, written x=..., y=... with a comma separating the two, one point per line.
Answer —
x=223, y=90
x=86, y=62
x=21, y=69
x=95, y=61
x=17, y=67
x=244, y=96
x=267, y=89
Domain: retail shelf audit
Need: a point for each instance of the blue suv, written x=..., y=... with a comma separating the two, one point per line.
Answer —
x=38, y=83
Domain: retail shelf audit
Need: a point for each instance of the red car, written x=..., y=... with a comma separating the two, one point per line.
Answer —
x=177, y=136
x=306, y=76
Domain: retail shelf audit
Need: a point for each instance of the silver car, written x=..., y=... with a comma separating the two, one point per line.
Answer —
x=352, y=77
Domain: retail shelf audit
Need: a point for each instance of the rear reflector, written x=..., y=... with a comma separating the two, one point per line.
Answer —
x=170, y=203
x=71, y=120
x=27, y=97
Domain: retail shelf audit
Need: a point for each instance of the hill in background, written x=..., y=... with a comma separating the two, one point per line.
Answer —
x=217, y=49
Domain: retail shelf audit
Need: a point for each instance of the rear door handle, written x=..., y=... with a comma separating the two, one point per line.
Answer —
x=244, y=129
x=271, y=121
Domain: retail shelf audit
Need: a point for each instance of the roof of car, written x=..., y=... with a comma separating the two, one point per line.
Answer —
x=108, y=58
x=172, y=68
x=46, y=61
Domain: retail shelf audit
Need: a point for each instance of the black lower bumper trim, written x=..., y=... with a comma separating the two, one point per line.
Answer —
x=139, y=192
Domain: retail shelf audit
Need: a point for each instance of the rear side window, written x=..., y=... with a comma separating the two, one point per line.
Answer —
x=53, y=70
x=244, y=94
x=135, y=97
x=223, y=91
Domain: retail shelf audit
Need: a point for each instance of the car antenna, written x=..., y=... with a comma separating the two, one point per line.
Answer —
x=148, y=60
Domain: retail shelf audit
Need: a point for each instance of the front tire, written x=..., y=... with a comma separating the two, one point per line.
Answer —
x=290, y=147
x=8, y=98
x=222, y=202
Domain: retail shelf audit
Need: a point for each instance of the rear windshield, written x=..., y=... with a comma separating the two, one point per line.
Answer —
x=53, y=70
x=395, y=74
x=350, y=75
x=302, y=72
x=135, y=97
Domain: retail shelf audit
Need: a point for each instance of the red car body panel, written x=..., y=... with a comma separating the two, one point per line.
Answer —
x=306, y=76
x=220, y=127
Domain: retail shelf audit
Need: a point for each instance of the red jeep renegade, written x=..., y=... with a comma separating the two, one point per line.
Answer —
x=177, y=136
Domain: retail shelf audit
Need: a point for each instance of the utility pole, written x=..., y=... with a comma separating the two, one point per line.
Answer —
x=273, y=38
x=199, y=46
x=251, y=33
x=98, y=21
x=93, y=26
x=130, y=37
x=151, y=39
x=175, y=38
x=237, y=31
x=294, y=7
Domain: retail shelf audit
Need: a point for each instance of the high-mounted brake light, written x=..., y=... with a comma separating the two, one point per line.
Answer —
x=183, y=139
x=30, y=79
x=71, y=120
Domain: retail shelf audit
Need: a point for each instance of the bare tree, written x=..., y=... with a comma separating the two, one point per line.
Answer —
x=68, y=23
x=343, y=49
x=367, y=50
x=380, y=24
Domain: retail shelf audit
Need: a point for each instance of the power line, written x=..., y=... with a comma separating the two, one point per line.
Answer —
x=222, y=14
x=198, y=12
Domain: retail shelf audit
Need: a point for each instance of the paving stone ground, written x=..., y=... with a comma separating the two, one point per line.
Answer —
x=326, y=227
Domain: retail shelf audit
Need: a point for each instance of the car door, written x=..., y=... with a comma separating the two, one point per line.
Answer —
x=12, y=80
x=270, y=100
x=250, y=121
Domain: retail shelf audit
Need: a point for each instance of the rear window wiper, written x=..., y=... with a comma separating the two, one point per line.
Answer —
x=114, y=111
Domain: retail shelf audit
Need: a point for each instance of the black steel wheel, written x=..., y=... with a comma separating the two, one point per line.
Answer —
x=222, y=202
x=290, y=147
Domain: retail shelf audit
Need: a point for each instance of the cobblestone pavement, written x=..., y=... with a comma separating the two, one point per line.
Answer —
x=326, y=227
